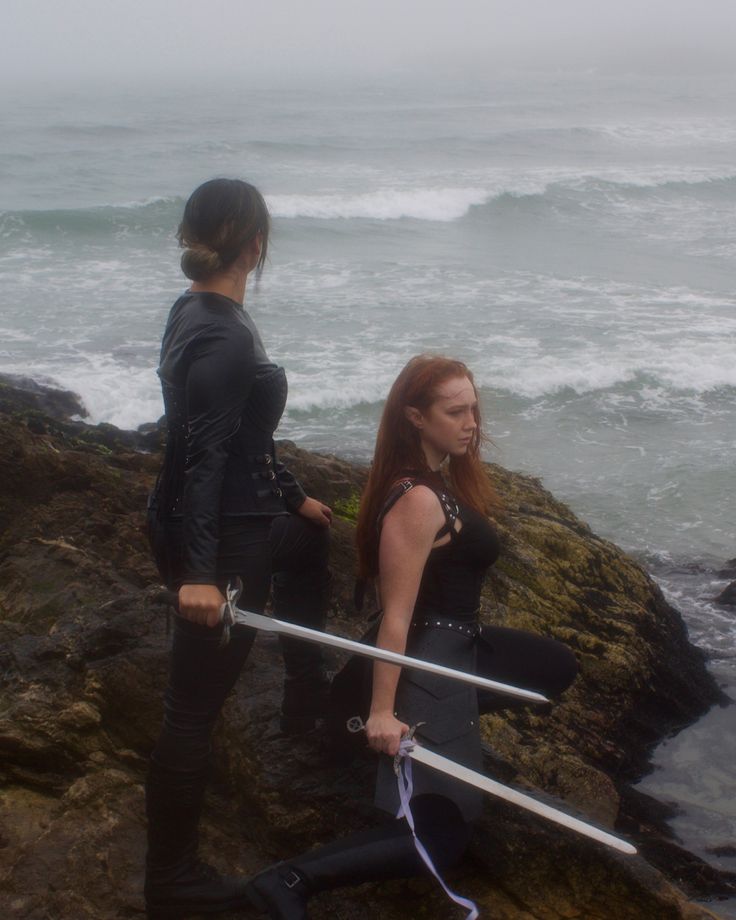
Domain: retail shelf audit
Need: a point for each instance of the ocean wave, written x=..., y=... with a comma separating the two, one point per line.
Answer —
x=690, y=180
x=686, y=355
x=677, y=180
x=708, y=131
x=433, y=204
x=698, y=374
x=152, y=202
x=337, y=394
x=114, y=391
x=153, y=213
x=671, y=391
x=655, y=387
x=448, y=204
x=665, y=134
x=440, y=203
x=427, y=204
x=111, y=391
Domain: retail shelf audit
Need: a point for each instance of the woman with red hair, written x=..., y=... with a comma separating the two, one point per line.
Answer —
x=424, y=535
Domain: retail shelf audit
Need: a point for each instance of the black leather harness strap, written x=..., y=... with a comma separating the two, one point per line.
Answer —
x=448, y=503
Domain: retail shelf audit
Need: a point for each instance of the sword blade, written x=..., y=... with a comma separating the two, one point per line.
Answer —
x=445, y=765
x=269, y=624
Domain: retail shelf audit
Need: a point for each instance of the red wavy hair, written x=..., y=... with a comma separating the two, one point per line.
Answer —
x=398, y=450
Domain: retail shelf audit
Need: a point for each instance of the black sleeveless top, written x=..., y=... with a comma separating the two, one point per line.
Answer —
x=453, y=574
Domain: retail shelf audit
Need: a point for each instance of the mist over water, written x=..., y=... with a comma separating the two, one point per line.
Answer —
x=572, y=239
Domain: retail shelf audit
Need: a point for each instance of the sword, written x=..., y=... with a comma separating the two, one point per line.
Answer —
x=234, y=616
x=486, y=784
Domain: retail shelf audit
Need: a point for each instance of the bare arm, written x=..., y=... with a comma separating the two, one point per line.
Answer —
x=407, y=535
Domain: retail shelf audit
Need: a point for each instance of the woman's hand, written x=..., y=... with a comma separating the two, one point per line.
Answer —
x=316, y=512
x=201, y=604
x=385, y=732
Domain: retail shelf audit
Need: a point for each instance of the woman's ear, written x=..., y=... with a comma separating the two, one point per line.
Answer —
x=414, y=416
x=251, y=253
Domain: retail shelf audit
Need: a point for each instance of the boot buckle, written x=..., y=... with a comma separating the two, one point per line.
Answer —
x=292, y=880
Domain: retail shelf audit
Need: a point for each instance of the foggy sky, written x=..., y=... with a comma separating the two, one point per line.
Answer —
x=174, y=40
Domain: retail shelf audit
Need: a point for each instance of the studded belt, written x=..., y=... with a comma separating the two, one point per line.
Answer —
x=430, y=622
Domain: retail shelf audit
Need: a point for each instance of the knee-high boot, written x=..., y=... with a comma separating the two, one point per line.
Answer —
x=379, y=854
x=177, y=883
x=303, y=600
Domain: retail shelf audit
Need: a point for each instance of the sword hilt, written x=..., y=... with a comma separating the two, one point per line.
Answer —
x=409, y=739
x=227, y=610
x=355, y=724
x=232, y=593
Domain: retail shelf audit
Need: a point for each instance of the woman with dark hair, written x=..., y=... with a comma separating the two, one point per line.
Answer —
x=223, y=508
x=424, y=534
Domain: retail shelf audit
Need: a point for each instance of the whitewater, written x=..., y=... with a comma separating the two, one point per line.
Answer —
x=572, y=238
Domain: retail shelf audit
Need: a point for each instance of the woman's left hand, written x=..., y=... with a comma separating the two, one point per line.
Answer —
x=316, y=512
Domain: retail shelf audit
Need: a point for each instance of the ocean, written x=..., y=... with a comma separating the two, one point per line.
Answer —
x=572, y=237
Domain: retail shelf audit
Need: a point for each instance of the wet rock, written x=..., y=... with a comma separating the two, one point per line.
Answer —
x=83, y=654
x=727, y=597
x=729, y=570
x=22, y=394
x=725, y=849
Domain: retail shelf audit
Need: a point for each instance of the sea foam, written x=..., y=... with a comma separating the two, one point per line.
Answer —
x=434, y=204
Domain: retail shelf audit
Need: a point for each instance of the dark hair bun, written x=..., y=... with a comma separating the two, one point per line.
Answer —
x=199, y=262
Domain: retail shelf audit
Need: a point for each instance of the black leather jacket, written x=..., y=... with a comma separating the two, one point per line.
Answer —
x=223, y=400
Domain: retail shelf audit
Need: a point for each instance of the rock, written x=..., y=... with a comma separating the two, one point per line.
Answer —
x=79, y=717
x=729, y=570
x=727, y=597
x=83, y=654
x=724, y=849
x=21, y=394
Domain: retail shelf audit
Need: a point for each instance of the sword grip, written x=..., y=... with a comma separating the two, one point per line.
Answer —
x=169, y=597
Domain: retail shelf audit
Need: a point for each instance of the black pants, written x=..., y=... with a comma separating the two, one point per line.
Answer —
x=522, y=659
x=287, y=553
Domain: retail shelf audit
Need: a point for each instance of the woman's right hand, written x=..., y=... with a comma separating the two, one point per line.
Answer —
x=385, y=732
x=201, y=604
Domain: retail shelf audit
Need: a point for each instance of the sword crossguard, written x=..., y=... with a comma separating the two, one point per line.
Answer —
x=232, y=593
x=409, y=739
x=356, y=724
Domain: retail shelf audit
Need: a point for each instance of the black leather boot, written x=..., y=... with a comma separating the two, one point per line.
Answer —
x=306, y=688
x=197, y=889
x=302, y=598
x=281, y=892
x=177, y=883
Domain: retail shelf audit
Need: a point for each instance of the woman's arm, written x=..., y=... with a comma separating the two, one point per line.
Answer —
x=297, y=500
x=219, y=378
x=408, y=532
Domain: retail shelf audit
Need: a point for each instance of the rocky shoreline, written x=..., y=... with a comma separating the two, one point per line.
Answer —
x=83, y=661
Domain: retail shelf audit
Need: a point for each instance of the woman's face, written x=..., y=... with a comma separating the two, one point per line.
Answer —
x=448, y=425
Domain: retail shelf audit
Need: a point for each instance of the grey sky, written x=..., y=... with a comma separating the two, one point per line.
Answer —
x=50, y=39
